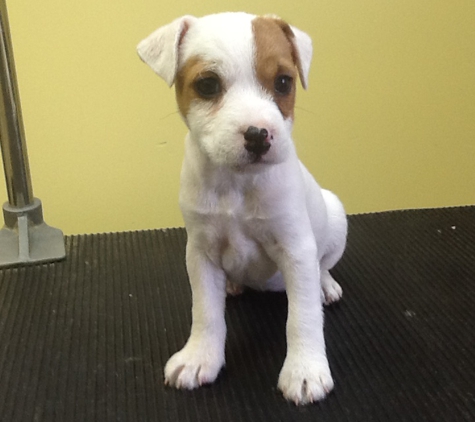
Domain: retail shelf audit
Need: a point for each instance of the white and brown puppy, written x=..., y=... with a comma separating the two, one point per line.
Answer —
x=253, y=213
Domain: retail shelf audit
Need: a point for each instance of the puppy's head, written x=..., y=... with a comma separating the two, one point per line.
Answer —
x=235, y=78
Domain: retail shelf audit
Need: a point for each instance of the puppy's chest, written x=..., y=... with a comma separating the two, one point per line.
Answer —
x=235, y=216
x=235, y=223
x=240, y=246
x=234, y=228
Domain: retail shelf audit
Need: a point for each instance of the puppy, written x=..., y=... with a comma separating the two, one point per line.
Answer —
x=253, y=213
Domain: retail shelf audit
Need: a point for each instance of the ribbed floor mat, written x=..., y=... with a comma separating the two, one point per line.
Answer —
x=86, y=339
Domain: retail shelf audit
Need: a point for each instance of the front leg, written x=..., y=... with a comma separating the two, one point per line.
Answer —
x=305, y=376
x=202, y=357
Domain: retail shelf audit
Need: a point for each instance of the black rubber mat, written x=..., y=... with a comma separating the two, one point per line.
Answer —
x=87, y=339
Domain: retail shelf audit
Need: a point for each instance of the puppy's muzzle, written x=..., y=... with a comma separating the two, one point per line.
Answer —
x=257, y=140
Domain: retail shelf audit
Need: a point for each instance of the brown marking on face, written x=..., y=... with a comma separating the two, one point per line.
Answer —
x=186, y=93
x=275, y=56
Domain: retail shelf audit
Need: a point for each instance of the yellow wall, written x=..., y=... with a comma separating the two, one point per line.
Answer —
x=388, y=121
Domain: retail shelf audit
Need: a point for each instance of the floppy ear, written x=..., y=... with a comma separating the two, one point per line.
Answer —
x=160, y=49
x=302, y=45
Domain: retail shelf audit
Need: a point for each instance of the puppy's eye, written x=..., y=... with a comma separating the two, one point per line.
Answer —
x=208, y=87
x=283, y=84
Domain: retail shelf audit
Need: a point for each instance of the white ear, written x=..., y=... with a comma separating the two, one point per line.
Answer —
x=303, y=46
x=160, y=49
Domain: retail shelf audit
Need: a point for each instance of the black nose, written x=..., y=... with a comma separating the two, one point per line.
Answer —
x=256, y=140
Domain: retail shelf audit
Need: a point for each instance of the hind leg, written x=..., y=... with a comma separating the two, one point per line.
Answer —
x=331, y=290
x=337, y=232
x=234, y=289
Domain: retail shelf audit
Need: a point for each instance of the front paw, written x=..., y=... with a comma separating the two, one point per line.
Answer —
x=193, y=366
x=305, y=380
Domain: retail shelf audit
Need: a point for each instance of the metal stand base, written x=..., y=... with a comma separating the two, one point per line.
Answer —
x=26, y=238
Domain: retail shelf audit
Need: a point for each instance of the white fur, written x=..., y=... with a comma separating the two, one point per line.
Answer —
x=267, y=225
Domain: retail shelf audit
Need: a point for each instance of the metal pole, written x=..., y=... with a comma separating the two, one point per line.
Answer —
x=12, y=135
x=25, y=238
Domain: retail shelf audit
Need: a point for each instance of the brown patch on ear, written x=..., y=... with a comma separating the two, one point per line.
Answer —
x=295, y=53
x=186, y=77
x=275, y=56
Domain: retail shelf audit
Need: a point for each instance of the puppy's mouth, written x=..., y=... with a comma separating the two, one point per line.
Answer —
x=256, y=158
